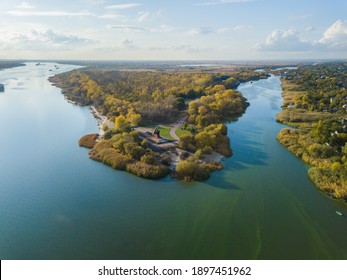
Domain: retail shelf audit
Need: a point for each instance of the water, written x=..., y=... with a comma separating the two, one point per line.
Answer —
x=55, y=203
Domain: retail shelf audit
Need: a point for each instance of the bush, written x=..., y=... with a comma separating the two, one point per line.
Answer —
x=190, y=170
x=88, y=141
x=149, y=171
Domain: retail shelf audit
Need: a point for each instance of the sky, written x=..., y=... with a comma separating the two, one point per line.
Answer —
x=173, y=30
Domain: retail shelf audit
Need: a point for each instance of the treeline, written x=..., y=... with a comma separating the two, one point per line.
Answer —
x=321, y=119
x=211, y=138
x=157, y=96
x=218, y=104
x=10, y=64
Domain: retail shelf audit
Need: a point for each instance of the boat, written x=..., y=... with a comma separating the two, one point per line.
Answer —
x=339, y=213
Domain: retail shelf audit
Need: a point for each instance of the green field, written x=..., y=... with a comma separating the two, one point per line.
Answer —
x=165, y=132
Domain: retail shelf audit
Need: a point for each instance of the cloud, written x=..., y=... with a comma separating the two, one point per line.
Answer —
x=310, y=29
x=223, y=30
x=48, y=14
x=143, y=16
x=111, y=16
x=221, y=2
x=242, y=27
x=127, y=28
x=335, y=36
x=190, y=49
x=283, y=40
x=200, y=31
x=125, y=44
x=333, y=39
x=47, y=40
x=162, y=29
x=147, y=16
x=25, y=5
x=123, y=6
x=207, y=30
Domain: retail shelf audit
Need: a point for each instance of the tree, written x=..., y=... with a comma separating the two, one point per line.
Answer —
x=134, y=150
x=121, y=123
x=133, y=118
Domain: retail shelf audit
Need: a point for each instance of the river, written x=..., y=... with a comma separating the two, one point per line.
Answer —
x=56, y=203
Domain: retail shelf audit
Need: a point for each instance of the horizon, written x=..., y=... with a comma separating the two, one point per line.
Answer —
x=192, y=30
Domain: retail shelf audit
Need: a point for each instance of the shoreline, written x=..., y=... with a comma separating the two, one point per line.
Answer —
x=102, y=120
x=297, y=139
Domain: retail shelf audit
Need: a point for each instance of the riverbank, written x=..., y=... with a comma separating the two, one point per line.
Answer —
x=318, y=139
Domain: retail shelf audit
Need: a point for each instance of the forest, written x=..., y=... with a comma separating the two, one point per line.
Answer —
x=140, y=98
x=316, y=106
x=9, y=64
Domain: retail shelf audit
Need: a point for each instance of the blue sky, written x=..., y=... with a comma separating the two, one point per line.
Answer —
x=179, y=30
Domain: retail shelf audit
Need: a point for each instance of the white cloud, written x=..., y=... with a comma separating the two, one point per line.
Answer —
x=111, y=16
x=200, y=31
x=190, y=49
x=335, y=36
x=221, y=2
x=207, y=30
x=46, y=40
x=48, y=14
x=147, y=16
x=127, y=28
x=122, y=45
x=333, y=39
x=162, y=29
x=25, y=5
x=283, y=40
x=223, y=30
x=242, y=27
x=125, y=44
x=310, y=29
x=123, y=6
x=143, y=16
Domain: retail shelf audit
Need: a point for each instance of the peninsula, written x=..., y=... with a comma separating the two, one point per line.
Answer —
x=156, y=122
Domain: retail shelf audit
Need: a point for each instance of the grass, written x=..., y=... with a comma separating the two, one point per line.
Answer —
x=290, y=91
x=165, y=132
x=181, y=132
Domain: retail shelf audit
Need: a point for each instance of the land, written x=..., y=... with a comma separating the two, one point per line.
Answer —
x=9, y=64
x=315, y=103
x=154, y=122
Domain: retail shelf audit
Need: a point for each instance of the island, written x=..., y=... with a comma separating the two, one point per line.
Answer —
x=159, y=121
x=315, y=105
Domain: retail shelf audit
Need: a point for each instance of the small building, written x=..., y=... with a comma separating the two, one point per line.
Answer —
x=2, y=88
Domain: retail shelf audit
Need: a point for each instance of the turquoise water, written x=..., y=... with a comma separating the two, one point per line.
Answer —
x=55, y=203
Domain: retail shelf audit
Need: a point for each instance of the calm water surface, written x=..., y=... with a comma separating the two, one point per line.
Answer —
x=55, y=203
